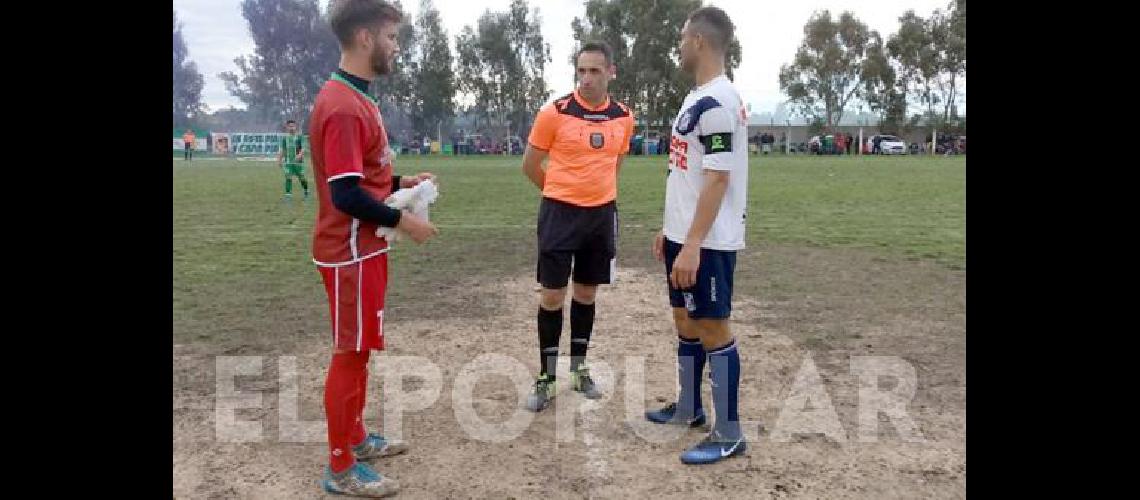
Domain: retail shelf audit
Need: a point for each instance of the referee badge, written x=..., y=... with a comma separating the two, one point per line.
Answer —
x=597, y=140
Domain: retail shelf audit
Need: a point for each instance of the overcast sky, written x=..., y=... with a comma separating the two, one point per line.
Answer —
x=769, y=34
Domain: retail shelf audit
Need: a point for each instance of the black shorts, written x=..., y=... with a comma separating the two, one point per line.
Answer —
x=580, y=238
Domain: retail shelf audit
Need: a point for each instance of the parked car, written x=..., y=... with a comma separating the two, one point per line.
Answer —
x=889, y=145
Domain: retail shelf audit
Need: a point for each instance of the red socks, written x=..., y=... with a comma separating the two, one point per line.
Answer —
x=344, y=405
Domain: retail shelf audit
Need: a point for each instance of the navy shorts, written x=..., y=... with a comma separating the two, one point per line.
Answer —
x=711, y=296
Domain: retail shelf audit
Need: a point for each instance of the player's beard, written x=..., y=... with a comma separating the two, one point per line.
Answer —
x=381, y=63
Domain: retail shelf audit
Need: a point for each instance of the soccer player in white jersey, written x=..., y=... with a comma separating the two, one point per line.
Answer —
x=705, y=202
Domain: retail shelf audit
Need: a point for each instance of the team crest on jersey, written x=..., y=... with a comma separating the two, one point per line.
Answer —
x=683, y=123
x=597, y=140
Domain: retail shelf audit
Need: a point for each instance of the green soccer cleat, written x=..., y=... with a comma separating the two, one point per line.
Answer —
x=544, y=389
x=581, y=382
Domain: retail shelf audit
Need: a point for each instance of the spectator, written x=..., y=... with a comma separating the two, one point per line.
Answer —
x=850, y=141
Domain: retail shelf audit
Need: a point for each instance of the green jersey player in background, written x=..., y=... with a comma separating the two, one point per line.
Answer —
x=292, y=159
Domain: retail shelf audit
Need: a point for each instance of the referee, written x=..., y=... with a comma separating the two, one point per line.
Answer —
x=583, y=136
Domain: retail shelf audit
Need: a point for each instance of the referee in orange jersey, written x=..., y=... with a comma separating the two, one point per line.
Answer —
x=583, y=137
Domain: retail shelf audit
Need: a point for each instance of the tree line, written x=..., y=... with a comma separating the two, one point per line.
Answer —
x=493, y=71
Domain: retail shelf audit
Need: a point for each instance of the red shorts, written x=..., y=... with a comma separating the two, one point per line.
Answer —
x=356, y=302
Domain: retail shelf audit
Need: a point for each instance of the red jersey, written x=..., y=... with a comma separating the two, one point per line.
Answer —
x=347, y=138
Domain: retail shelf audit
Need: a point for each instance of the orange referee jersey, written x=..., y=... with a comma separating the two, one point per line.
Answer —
x=584, y=145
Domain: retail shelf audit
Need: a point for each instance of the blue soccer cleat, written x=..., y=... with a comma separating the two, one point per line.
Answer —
x=376, y=446
x=669, y=415
x=359, y=480
x=714, y=448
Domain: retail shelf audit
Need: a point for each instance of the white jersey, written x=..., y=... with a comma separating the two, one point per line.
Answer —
x=710, y=132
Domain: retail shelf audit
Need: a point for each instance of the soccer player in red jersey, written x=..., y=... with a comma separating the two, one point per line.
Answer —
x=352, y=169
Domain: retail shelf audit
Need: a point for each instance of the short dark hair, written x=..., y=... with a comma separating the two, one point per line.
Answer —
x=714, y=24
x=290, y=121
x=596, y=46
x=348, y=16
